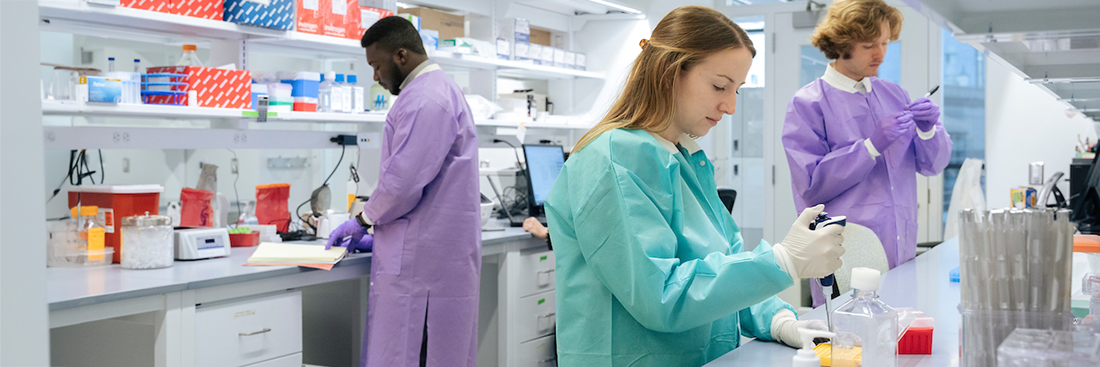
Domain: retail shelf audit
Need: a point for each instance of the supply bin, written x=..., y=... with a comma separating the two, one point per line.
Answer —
x=115, y=202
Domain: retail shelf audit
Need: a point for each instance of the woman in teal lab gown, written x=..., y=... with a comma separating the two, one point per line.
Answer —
x=650, y=268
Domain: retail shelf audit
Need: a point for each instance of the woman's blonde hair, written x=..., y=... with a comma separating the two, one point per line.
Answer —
x=850, y=21
x=682, y=39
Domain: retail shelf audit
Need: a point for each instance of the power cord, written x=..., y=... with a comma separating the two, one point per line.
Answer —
x=78, y=170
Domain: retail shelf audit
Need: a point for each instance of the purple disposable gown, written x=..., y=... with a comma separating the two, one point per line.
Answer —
x=427, y=238
x=823, y=136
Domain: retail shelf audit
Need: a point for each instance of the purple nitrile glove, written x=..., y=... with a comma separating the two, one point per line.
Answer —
x=890, y=129
x=925, y=114
x=365, y=244
x=351, y=228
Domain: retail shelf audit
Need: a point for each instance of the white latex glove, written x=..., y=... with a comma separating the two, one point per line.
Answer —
x=785, y=328
x=807, y=253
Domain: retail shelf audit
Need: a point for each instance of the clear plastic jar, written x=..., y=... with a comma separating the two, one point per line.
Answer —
x=147, y=242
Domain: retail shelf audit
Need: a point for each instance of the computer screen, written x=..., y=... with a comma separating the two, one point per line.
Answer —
x=544, y=164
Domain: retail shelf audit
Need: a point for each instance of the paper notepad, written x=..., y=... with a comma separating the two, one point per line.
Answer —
x=270, y=252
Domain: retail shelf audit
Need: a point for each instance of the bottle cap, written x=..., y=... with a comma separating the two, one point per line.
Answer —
x=329, y=75
x=353, y=78
x=190, y=48
x=339, y=78
x=865, y=279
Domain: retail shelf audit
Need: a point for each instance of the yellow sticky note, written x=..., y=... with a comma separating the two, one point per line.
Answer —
x=96, y=238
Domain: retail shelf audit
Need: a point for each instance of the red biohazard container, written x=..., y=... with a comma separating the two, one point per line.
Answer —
x=116, y=202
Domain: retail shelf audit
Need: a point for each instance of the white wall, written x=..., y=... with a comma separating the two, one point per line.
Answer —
x=24, y=335
x=1025, y=124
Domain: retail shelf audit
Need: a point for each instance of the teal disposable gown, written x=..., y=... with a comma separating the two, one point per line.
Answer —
x=650, y=269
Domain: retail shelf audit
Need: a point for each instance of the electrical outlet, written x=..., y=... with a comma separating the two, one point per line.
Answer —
x=233, y=166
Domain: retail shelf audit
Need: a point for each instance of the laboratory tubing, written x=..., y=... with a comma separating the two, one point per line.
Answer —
x=864, y=325
x=147, y=241
x=190, y=56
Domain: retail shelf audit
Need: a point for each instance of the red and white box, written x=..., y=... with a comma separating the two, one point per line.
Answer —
x=368, y=16
x=206, y=9
x=163, y=6
x=218, y=88
x=351, y=21
x=311, y=15
x=335, y=18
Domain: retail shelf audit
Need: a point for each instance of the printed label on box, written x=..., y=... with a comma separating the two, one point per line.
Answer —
x=339, y=7
x=106, y=217
x=311, y=4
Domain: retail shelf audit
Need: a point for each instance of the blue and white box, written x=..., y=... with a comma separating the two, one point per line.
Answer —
x=517, y=32
x=504, y=51
x=559, y=58
x=535, y=54
x=104, y=90
x=275, y=14
x=304, y=83
x=547, y=56
x=430, y=39
x=582, y=62
x=570, y=60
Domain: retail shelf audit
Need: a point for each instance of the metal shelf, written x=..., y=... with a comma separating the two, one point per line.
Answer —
x=1053, y=44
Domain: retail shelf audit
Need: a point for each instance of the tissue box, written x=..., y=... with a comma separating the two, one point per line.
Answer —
x=581, y=62
x=206, y=9
x=311, y=15
x=163, y=6
x=276, y=14
x=570, y=60
x=534, y=53
x=559, y=58
x=548, y=56
x=215, y=87
x=517, y=33
x=430, y=39
x=336, y=17
x=104, y=90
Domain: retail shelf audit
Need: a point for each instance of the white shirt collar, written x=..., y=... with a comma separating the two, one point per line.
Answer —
x=685, y=141
x=424, y=67
x=844, y=83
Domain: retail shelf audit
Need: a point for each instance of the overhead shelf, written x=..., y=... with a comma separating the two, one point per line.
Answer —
x=1054, y=44
x=123, y=137
x=79, y=17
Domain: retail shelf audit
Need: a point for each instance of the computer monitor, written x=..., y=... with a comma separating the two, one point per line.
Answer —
x=1086, y=209
x=544, y=163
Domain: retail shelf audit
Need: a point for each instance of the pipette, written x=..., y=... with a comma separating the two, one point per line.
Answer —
x=823, y=220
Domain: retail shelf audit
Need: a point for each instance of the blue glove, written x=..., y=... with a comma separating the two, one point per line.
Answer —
x=925, y=114
x=890, y=129
x=365, y=244
x=350, y=228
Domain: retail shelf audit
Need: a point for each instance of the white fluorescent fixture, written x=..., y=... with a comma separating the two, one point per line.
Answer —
x=404, y=5
x=617, y=6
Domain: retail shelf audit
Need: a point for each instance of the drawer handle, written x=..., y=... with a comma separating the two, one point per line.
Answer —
x=548, y=360
x=265, y=330
x=548, y=315
x=546, y=271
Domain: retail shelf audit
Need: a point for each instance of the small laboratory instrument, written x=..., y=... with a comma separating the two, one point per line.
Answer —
x=201, y=243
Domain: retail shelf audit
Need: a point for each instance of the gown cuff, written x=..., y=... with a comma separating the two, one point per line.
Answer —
x=367, y=220
x=874, y=152
x=926, y=135
x=784, y=261
x=779, y=322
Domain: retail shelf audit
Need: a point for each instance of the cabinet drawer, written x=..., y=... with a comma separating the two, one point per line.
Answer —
x=535, y=316
x=537, y=353
x=536, y=273
x=293, y=360
x=248, y=331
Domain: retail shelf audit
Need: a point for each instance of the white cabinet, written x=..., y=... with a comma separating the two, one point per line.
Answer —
x=536, y=273
x=528, y=308
x=536, y=316
x=293, y=360
x=239, y=333
x=538, y=353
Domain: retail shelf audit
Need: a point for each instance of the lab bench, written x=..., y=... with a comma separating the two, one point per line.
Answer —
x=922, y=283
x=198, y=312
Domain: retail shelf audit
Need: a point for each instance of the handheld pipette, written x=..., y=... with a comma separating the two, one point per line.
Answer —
x=823, y=220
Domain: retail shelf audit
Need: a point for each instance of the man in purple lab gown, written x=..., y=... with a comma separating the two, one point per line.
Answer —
x=425, y=212
x=854, y=142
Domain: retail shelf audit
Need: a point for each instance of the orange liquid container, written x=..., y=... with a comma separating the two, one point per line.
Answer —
x=117, y=202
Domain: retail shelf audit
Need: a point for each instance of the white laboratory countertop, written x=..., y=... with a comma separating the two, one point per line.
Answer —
x=75, y=287
x=923, y=283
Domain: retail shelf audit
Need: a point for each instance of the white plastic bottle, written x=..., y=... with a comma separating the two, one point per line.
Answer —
x=865, y=322
x=358, y=95
x=349, y=106
x=110, y=64
x=190, y=56
x=339, y=95
x=806, y=357
x=324, y=95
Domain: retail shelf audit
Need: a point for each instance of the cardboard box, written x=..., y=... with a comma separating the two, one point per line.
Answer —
x=570, y=60
x=517, y=32
x=163, y=6
x=504, y=51
x=548, y=56
x=206, y=9
x=276, y=14
x=336, y=18
x=540, y=37
x=535, y=53
x=368, y=16
x=559, y=58
x=218, y=88
x=448, y=25
x=104, y=90
x=311, y=15
x=351, y=21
